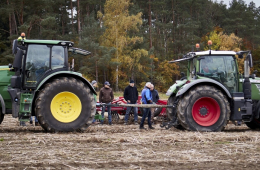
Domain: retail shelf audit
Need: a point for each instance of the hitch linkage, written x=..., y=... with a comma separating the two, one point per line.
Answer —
x=174, y=122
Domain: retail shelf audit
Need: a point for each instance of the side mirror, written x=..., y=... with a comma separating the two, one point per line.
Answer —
x=18, y=60
x=249, y=56
x=15, y=43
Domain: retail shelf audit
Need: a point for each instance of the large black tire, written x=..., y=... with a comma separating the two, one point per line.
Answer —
x=254, y=124
x=170, y=102
x=49, y=97
x=169, y=111
x=157, y=111
x=204, y=108
x=1, y=116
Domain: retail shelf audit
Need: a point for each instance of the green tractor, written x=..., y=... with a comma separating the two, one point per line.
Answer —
x=214, y=92
x=41, y=83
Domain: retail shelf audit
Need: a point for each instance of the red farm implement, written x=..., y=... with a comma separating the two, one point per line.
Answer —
x=116, y=111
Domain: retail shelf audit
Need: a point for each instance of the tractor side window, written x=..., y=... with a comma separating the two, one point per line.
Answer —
x=36, y=64
x=57, y=59
x=232, y=80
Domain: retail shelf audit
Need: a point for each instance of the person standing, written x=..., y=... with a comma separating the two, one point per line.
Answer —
x=155, y=97
x=146, y=99
x=94, y=84
x=131, y=97
x=106, y=96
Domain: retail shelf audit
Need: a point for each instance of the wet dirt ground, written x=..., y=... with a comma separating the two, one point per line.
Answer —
x=126, y=147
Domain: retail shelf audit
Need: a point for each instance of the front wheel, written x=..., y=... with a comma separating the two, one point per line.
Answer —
x=65, y=104
x=204, y=108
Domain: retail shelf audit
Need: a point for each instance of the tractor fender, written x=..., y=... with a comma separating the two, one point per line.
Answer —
x=66, y=74
x=186, y=87
x=2, y=104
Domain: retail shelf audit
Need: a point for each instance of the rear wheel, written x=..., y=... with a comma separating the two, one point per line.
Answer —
x=203, y=108
x=65, y=104
x=1, y=116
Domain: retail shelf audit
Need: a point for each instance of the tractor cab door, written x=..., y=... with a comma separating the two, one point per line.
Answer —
x=221, y=68
x=39, y=59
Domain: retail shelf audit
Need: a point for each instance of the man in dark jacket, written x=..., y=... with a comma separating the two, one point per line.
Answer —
x=131, y=97
x=155, y=96
x=106, y=96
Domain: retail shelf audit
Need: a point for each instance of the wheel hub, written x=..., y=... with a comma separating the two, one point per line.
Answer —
x=206, y=111
x=66, y=107
x=203, y=111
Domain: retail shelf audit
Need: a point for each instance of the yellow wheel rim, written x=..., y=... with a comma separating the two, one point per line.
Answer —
x=66, y=107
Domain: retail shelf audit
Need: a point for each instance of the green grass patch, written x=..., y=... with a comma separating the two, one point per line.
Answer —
x=222, y=142
x=1, y=139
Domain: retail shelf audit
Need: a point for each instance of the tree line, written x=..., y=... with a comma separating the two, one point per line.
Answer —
x=131, y=39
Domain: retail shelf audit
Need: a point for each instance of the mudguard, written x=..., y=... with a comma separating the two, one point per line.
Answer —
x=186, y=87
x=174, y=88
x=2, y=104
x=66, y=74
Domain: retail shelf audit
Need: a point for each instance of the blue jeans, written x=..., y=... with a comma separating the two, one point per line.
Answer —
x=108, y=111
x=31, y=119
x=128, y=109
x=146, y=112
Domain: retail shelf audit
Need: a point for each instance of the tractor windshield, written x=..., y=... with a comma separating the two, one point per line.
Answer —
x=38, y=62
x=222, y=69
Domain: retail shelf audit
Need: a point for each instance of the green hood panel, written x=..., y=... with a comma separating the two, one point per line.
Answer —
x=173, y=88
x=5, y=78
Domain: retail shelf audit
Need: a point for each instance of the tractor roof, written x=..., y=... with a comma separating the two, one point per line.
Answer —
x=51, y=42
x=212, y=52
x=191, y=55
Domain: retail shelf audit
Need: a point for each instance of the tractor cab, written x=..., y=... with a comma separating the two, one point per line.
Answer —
x=36, y=59
x=219, y=67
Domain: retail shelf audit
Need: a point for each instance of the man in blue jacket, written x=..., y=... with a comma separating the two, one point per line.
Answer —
x=146, y=99
x=131, y=97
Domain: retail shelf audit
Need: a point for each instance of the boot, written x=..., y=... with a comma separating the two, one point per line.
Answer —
x=141, y=127
x=150, y=127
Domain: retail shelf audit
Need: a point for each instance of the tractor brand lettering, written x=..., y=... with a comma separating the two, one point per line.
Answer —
x=255, y=81
x=251, y=80
x=258, y=86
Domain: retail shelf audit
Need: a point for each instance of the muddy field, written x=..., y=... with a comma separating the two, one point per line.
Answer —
x=126, y=147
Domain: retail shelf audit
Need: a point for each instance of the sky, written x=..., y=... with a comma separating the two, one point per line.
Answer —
x=257, y=2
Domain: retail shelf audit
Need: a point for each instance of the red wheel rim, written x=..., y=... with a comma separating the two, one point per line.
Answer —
x=206, y=111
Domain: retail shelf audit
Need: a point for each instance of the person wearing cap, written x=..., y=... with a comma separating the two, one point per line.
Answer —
x=106, y=96
x=22, y=37
x=131, y=97
x=146, y=99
